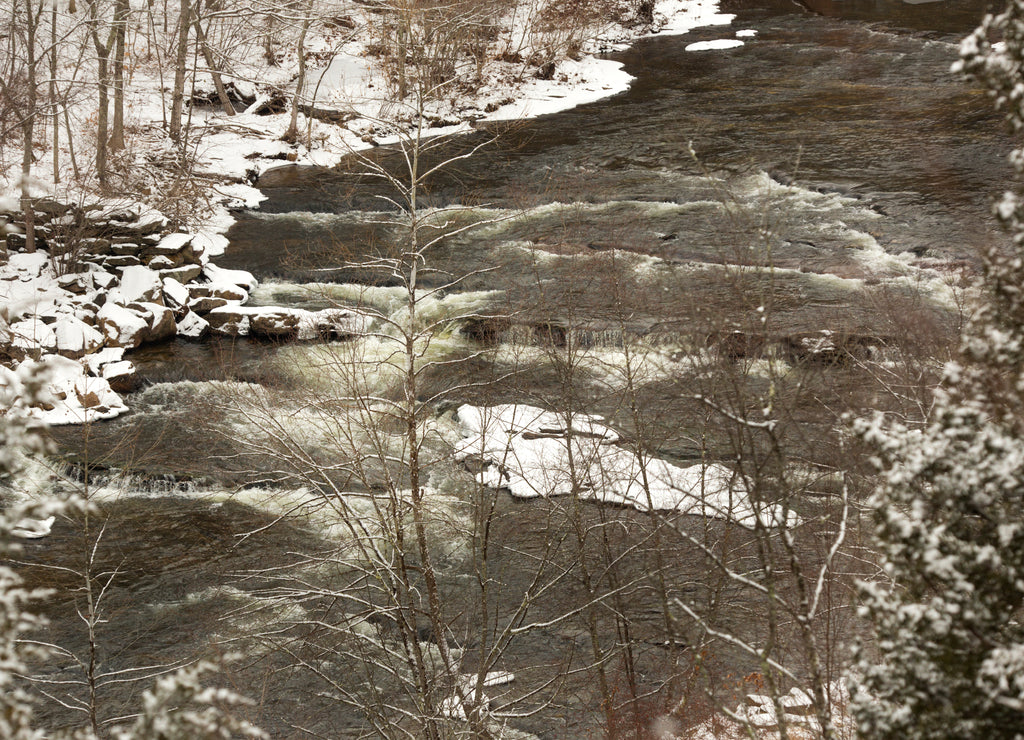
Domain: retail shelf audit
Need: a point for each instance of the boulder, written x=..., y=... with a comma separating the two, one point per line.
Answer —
x=183, y=274
x=121, y=261
x=140, y=284
x=206, y=305
x=161, y=321
x=338, y=323
x=105, y=356
x=232, y=320
x=122, y=326
x=221, y=289
x=160, y=262
x=241, y=278
x=193, y=326
x=121, y=376
x=32, y=334
x=74, y=338
x=176, y=296
x=274, y=323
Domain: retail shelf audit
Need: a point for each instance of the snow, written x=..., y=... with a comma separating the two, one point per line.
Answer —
x=75, y=337
x=138, y=283
x=220, y=275
x=715, y=45
x=76, y=397
x=532, y=453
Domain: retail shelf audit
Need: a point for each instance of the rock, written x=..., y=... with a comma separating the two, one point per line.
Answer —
x=95, y=246
x=49, y=208
x=175, y=250
x=79, y=398
x=161, y=321
x=224, y=290
x=184, y=274
x=241, y=278
x=798, y=702
x=193, y=326
x=105, y=356
x=121, y=376
x=16, y=242
x=103, y=279
x=206, y=305
x=122, y=326
x=123, y=248
x=77, y=283
x=120, y=261
x=160, y=262
x=338, y=323
x=140, y=284
x=176, y=296
x=276, y=324
x=230, y=320
x=74, y=338
x=32, y=335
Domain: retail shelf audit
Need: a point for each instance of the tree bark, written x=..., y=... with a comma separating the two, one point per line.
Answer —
x=120, y=24
x=211, y=64
x=180, y=60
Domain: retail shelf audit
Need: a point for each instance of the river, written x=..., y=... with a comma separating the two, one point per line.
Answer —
x=834, y=145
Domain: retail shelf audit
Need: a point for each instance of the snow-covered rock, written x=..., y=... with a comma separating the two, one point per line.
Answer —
x=74, y=338
x=241, y=278
x=76, y=397
x=95, y=361
x=122, y=326
x=533, y=452
x=33, y=334
x=138, y=284
x=121, y=376
x=193, y=326
x=161, y=321
x=176, y=295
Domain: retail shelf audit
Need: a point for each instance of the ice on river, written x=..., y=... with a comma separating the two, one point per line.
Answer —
x=533, y=452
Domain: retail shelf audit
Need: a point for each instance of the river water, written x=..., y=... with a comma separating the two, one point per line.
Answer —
x=834, y=145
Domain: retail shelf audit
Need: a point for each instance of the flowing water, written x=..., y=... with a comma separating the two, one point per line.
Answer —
x=835, y=146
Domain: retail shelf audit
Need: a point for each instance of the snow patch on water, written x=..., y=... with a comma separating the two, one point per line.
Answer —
x=715, y=45
x=533, y=453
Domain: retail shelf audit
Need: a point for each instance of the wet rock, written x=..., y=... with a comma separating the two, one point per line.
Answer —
x=487, y=329
x=222, y=290
x=204, y=305
x=231, y=320
x=122, y=376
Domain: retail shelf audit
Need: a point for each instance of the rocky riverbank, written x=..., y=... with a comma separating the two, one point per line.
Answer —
x=106, y=278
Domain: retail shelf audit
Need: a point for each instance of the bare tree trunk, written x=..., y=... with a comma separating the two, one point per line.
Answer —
x=293, y=125
x=120, y=25
x=215, y=72
x=54, y=107
x=180, y=60
x=28, y=125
